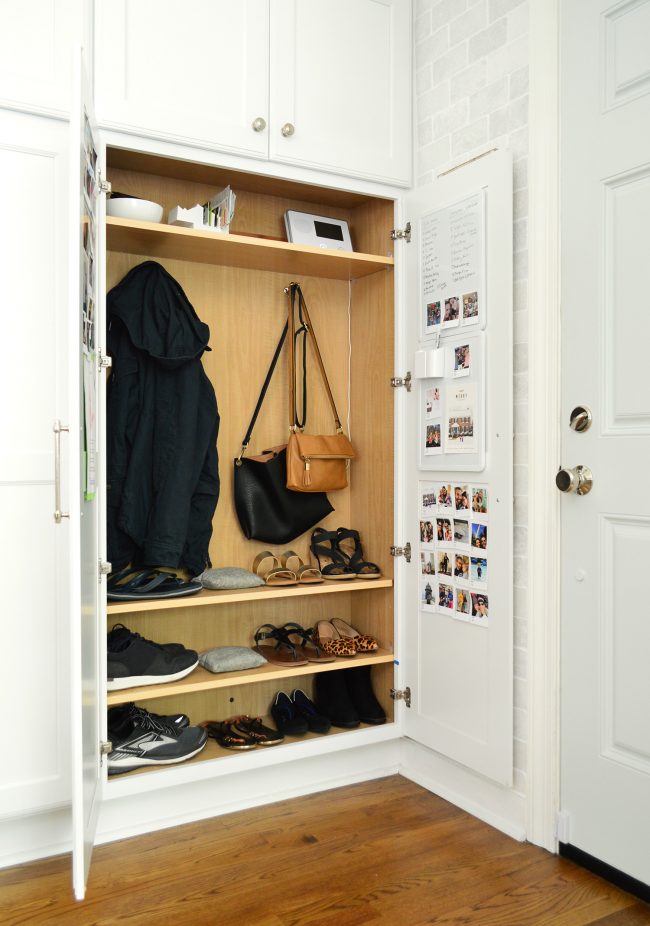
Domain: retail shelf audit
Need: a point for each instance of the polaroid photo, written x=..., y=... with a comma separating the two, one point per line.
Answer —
x=445, y=597
x=461, y=533
x=444, y=533
x=461, y=567
x=470, y=308
x=426, y=532
x=432, y=403
x=432, y=438
x=445, y=498
x=451, y=315
x=428, y=563
x=462, y=603
x=443, y=563
x=478, y=570
x=479, y=536
x=432, y=317
x=479, y=500
x=480, y=608
x=428, y=594
x=461, y=358
x=461, y=498
x=461, y=435
x=428, y=500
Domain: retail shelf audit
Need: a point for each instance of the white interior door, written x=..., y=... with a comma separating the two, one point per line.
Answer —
x=195, y=73
x=460, y=670
x=341, y=86
x=605, y=174
x=80, y=487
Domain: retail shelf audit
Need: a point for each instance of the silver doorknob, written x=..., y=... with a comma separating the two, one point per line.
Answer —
x=580, y=479
x=288, y=129
x=580, y=419
x=258, y=124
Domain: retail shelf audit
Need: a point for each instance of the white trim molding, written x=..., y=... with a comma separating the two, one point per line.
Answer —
x=544, y=426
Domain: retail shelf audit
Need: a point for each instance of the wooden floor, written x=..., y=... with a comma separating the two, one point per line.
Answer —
x=386, y=853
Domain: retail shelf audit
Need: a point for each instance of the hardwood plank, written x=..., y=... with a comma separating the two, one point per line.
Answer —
x=380, y=853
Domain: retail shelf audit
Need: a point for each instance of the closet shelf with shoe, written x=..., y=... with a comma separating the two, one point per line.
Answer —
x=234, y=292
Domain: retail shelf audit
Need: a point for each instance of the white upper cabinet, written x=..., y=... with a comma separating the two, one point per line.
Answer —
x=36, y=42
x=341, y=86
x=195, y=73
x=336, y=95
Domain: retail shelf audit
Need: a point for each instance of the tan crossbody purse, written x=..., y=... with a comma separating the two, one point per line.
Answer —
x=315, y=462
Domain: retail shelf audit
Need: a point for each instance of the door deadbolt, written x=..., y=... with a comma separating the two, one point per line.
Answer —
x=579, y=479
x=580, y=419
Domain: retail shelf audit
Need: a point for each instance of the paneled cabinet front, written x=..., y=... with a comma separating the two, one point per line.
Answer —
x=195, y=73
x=323, y=85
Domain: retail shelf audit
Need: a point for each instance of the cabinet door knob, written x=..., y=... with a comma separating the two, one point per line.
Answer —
x=259, y=124
x=288, y=129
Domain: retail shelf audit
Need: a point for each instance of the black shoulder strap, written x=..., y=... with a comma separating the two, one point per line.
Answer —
x=265, y=387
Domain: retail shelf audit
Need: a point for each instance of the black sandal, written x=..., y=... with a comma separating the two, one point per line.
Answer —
x=283, y=653
x=147, y=583
x=338, y=567
x=355, y=561
x=308, y=647
x=227, y=735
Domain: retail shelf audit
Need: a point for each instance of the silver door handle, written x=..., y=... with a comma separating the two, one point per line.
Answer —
x=579, y=479
x=288, y=129
x=58, y=514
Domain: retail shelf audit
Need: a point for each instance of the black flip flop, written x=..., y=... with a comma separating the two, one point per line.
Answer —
x=148, y=583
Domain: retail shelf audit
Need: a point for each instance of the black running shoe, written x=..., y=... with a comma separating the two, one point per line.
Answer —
x=119, y=635
x=142, y=741
x=173, y=723
x=133, y=661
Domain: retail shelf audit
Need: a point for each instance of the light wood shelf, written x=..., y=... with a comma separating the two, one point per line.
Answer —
x=153, y=239
x=236, y=595
x=212, y=750
x=202, y=680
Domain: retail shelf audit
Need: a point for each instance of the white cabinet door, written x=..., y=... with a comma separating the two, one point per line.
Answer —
x=34, y=772
x=83, y=333
x=36, y=42
x=195, y=73
x=341, y=86
x=459, y=664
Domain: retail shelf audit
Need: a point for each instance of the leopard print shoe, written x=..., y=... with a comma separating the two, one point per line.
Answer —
x=330, y=641
x=363, y=642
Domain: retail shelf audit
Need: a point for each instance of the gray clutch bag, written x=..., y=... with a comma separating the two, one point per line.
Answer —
x=229, y=577
x=230, y=659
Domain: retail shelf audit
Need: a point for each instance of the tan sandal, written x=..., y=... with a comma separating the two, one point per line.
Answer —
x=267, y=566
x=309, y=575
x=290, y=560
x=363, y=642
x=331, y=642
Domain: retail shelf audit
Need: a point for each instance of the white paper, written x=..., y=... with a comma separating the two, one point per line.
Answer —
x=460, y=419
x=451, y=262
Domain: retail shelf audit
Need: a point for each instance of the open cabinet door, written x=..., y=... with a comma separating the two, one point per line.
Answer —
x=459, y=486
x=84, y=577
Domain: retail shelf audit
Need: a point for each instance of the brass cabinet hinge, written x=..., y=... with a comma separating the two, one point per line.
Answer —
x=404, y=551
x=104, y=185
x=399, y=694
x=104, y=749
x=401, y=234
x=405, y=381
x=104, y=362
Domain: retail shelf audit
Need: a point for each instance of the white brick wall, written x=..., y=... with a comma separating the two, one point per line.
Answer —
x=471, y=88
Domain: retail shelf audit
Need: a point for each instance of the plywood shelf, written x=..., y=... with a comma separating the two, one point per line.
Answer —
x=236, y=595
x=152, y=239
x=202, y=680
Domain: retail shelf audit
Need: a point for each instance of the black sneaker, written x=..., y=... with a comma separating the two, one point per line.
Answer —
x=306, y=708
x=133, y=661
x=141, y=741
x=119, y=636
x=173, y=723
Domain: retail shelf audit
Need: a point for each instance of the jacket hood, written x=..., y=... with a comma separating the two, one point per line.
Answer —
x=158, y=316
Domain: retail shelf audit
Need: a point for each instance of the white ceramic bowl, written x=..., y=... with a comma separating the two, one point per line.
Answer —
x=124, y=207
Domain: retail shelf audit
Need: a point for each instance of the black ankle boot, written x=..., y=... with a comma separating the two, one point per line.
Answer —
x=362, y=696
x=332, y=699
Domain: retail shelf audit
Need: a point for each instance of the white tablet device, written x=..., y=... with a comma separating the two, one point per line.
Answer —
x=321, y=231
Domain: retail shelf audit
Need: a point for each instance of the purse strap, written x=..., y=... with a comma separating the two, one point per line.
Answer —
x=292, y=290
x=267, y=382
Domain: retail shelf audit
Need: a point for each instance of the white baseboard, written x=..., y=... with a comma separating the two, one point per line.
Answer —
x=34, y=836
x=496, y=805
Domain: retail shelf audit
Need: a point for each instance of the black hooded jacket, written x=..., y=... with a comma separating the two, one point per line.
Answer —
x=162, y=426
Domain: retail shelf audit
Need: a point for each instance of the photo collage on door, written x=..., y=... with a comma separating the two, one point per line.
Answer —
x=454, y=551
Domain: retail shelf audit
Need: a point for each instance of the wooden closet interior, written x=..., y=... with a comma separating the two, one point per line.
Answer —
x=236, y=284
